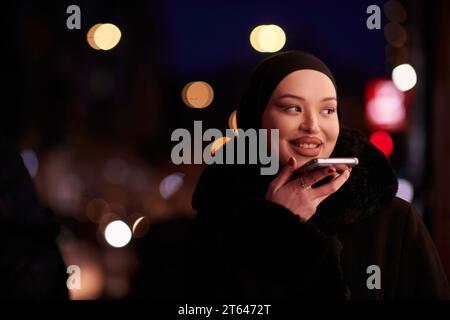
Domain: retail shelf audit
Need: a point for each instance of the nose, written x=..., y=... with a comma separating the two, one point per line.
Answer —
x=309, y=123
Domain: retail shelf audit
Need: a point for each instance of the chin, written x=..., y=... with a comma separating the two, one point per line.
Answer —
x=302, y=160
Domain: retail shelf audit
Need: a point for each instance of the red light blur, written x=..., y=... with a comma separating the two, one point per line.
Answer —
x=383, y=141
x=384, y=106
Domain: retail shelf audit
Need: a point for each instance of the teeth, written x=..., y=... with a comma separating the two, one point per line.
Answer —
x=307, y=146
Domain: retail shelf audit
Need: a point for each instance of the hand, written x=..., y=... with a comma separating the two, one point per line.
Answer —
x=303, y=201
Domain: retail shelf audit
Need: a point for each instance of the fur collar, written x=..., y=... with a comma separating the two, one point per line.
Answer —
x=372, y=185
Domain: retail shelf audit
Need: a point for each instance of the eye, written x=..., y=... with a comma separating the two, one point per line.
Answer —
x=329, y=110
x=293, y=109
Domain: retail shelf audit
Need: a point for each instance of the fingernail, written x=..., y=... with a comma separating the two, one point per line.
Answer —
x=349, y=169
x=331, y=170
x=291, y=162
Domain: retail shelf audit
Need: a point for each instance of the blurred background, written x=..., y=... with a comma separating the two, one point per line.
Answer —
x=92, y=109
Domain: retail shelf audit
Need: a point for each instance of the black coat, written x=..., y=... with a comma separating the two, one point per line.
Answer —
x=31, y=265
x=242, y=246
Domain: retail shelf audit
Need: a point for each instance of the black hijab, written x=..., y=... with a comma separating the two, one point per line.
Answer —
x=267, y=75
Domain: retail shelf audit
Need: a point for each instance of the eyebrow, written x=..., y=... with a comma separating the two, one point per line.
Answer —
x=288, y=95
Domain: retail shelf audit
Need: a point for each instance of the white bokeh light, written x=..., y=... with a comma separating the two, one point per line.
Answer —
x=271, y=38
x=404, y=77
x=405, y=190
x=107, y=36
x=117, y=234
x=267, y=38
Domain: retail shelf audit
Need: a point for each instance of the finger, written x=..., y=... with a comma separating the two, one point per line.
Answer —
x=334, y=185
x=340, y=168
x=317, y=175
x=284, y=175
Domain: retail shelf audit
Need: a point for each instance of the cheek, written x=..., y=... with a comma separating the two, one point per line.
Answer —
x=332, y=133
x=286, y=125
x=272, y=119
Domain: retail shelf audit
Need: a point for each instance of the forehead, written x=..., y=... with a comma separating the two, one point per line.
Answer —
x=306, y=83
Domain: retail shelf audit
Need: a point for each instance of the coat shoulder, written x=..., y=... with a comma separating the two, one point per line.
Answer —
x=398, y=219
x=400, y=204
x=399, y=210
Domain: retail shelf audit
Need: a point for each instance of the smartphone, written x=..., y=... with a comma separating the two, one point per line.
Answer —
x=340, y=164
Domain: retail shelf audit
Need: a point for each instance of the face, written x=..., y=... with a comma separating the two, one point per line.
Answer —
x=304, y=108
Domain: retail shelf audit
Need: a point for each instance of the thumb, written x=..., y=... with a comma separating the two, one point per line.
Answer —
x=285, y=174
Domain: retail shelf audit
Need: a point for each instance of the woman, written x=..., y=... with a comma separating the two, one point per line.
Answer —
x=281, y=238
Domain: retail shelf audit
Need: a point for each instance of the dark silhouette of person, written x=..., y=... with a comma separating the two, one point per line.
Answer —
x=31, y=265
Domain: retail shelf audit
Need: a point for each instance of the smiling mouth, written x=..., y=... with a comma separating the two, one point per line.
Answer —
x=306, y=149
x=306, y=145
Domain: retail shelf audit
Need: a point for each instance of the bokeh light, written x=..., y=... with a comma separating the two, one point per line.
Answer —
x=92, y=282
x=68, y=193
x=30, y=161
x=254, y=38
x=405, y=190
x=385, y=107
x=404, y=77
x=171, y=184
x=383, y=141
x=107, y=36
x=90, y=36
x=117, y=234
x=271, y=38
x=197, y=94
x=267, y=38
x=395, y=34
x=219, y=143
x=140, y=227
x=232, y=122
x=395, y=11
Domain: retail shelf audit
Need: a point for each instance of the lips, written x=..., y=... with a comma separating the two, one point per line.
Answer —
x=307, y=146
